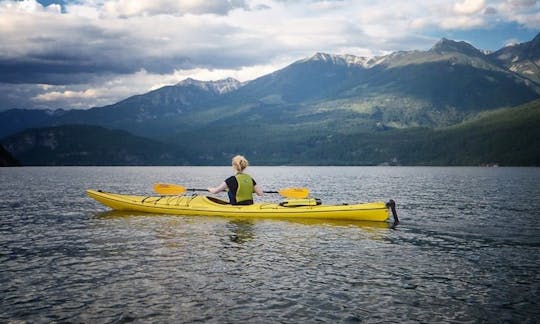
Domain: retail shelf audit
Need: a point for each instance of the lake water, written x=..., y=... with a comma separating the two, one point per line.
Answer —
x=466, y=250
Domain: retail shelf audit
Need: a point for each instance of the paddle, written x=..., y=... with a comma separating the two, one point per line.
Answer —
x=174, y=189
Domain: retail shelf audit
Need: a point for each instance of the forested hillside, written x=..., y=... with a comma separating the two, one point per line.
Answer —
x=504, y=137
x=6, y=159
x=88, y=145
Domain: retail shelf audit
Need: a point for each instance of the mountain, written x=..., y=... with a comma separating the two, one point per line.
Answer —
x=333, y=94
x=434, y=88
x=88, y=145
x=6, y=159
x=155, y=112
x=450, y=46
x=523, y=59
x=319, y=77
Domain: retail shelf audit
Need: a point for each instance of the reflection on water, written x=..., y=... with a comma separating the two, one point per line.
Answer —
x=466, y=250
x=242, y=230
x=245, y=220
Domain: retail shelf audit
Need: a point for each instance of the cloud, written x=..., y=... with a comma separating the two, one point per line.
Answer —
x=130, y=8
x=490, y=11
x=523, y=12
x=469, y=7
x=29, y=6
x=103, y=91
x=77, y=46
x=522, y=3
x=68, y=94
x=462, y=22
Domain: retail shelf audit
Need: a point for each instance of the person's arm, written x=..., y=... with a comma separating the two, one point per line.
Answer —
x=220, y=188
x=258, y=190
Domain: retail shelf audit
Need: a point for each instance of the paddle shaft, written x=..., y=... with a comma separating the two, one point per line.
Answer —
x=173, y=189
x=198, y=189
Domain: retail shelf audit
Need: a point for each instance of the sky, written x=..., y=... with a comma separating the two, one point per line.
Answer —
x=78, y=54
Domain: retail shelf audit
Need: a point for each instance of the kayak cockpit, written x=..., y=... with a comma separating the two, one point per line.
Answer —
x=217, y=200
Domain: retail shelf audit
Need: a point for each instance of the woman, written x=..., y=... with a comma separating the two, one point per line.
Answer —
x=241, y=186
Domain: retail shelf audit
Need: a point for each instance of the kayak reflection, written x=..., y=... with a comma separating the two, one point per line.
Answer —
x=245, y=224
x=242, y=230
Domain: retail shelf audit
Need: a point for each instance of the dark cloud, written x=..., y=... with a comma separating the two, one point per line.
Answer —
x=18, y=96
x=523, y=3
x=58, y=68
x=66, y=52
x=490, y=11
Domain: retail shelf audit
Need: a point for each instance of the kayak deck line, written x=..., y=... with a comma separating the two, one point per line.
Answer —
x=200, y=205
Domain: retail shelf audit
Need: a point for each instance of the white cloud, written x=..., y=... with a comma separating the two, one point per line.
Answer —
x=523, y=12
x=462, y=22
x=28, y=6
x=103, y=91
x=130, y=8
x=68, y=94
x=469, y=7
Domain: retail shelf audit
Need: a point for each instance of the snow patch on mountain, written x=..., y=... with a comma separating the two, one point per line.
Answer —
x=346, y=60
x=218, y=87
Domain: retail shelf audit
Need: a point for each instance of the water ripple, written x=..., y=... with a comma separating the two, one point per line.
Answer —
x=466, y=250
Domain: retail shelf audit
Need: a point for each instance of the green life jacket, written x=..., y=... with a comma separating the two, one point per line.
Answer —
x=245, y=187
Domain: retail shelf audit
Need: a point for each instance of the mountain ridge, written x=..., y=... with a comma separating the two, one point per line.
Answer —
x=447, y=45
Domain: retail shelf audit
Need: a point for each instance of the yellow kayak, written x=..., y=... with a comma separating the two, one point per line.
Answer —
x=209, y=206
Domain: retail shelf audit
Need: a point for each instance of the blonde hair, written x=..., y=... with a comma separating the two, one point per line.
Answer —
x=239, y=163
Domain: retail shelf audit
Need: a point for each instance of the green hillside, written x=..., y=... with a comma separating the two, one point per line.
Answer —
x=6, y=159
x=87, y=145
x=504, y=137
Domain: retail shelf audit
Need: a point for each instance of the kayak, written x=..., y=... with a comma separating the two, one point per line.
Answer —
x=200, y=205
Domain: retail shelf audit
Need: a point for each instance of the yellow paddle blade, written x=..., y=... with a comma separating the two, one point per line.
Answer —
x=294, y=192
x=169, y=189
